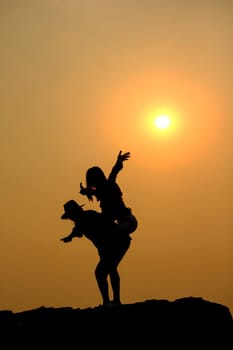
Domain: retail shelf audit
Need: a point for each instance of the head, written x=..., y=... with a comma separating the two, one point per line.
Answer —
x=72, y=210
x=95, y=177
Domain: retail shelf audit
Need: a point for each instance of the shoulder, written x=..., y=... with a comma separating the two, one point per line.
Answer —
x=91, y=214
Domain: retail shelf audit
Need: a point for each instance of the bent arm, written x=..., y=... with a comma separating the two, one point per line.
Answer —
x=86, y=192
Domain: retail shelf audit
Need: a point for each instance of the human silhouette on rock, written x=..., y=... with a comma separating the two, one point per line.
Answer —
x=92, y=225
x=109, y=230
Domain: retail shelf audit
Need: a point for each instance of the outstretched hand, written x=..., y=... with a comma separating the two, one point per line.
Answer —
x=123, y=156
x=82, y=189
x=66, y=239
x=85, y=192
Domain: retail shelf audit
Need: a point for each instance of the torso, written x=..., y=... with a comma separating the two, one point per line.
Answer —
x=94, y=227
x=111, y=202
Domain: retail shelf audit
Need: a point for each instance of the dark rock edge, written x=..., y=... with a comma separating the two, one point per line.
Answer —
x=185, y=322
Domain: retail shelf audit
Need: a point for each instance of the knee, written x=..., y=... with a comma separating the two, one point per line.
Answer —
x=114, y=275
x=133, y=223
x=100, y=272
x=97, y=271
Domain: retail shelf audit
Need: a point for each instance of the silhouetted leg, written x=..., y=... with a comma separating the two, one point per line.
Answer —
x=115, y=283
x=118, y=252
x=127, y=225
x=101, y=278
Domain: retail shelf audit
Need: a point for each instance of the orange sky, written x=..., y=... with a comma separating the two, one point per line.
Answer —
x=81, y=80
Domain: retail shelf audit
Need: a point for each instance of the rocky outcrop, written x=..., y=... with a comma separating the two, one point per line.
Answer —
x=187, y=323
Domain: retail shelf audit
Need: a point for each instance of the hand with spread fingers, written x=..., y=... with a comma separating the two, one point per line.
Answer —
x=123, y=156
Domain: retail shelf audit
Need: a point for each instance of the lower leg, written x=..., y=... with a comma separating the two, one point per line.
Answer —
x=115, y=283
x=102, y=282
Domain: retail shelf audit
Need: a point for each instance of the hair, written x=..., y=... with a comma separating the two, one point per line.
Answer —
x=95, y=176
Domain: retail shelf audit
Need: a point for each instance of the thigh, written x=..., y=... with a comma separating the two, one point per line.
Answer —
x=117, y=251
x=126, y=225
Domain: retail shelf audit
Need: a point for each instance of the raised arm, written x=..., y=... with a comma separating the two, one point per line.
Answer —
x=118, y=166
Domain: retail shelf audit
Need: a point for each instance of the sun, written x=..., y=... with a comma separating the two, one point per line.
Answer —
x=162, y=122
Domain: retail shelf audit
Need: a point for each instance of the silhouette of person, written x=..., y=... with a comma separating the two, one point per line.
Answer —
x=92, y=225
x=110, y=196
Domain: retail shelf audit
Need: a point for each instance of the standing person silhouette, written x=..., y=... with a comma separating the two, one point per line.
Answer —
x=114, y=210
x=92, y=225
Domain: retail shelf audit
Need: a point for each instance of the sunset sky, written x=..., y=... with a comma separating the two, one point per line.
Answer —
x=82, y=80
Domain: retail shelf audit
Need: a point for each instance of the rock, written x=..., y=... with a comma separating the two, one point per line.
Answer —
x=152, y=324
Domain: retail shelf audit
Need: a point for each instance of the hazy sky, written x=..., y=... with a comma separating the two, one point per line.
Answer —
x=81, y=80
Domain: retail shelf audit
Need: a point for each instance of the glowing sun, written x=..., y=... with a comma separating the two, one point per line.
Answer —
x=162, y=122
